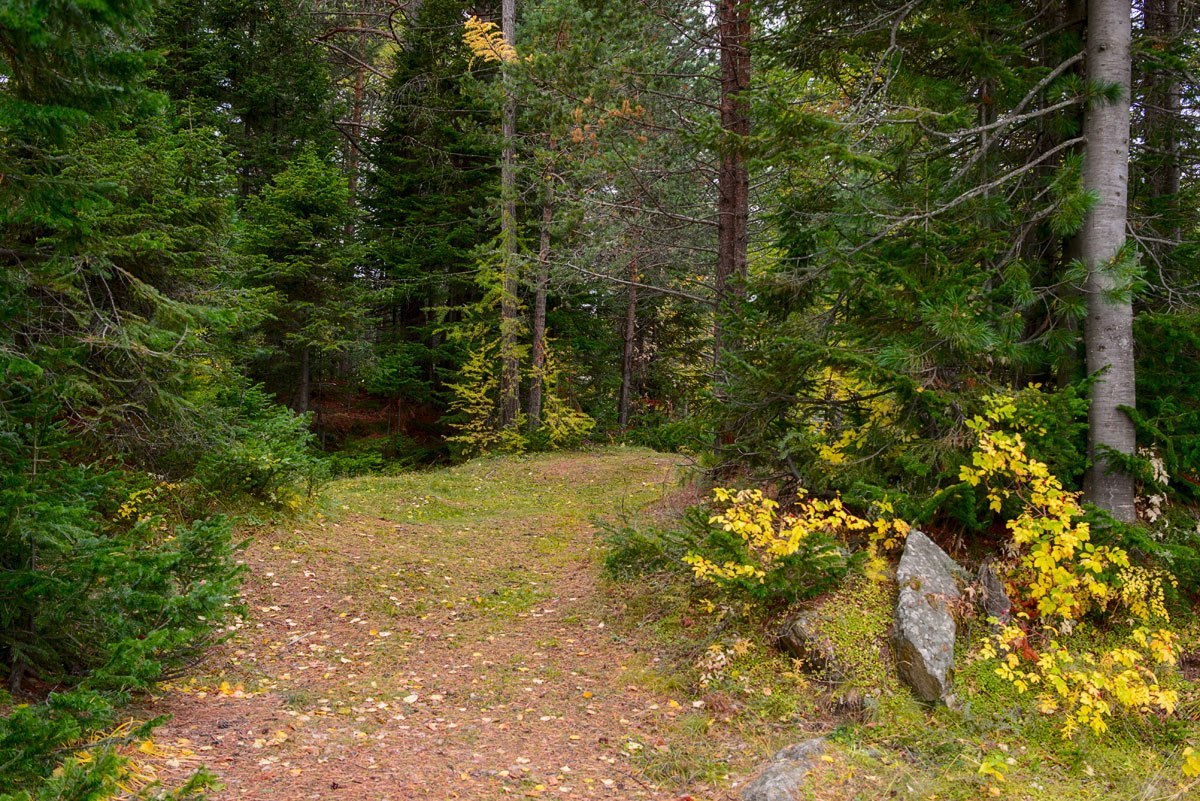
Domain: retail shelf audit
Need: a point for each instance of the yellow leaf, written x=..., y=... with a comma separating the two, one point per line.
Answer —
x=1191, y=763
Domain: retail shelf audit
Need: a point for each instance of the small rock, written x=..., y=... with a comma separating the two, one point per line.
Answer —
x=993, y=598
x=923, y=634
x=802, y=638
x=784, y=775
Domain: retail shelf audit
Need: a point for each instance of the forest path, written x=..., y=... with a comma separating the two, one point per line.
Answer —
x=439, y=635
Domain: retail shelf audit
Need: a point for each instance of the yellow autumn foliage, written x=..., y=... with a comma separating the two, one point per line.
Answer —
x=1063, y=577
x=839, y=442
x=770, y=536
x=486, y=41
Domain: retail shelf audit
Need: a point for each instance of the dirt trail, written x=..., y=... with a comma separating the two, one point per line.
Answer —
x=438, y=636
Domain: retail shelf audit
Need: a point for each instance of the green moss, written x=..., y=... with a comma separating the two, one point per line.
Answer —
x=855, y=619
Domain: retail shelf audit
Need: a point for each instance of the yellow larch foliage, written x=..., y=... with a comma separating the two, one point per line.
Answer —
x=487, y=42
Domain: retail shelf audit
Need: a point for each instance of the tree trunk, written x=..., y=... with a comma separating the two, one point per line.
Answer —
x=627, y=359
x=510, y=324
x=1108, y=330
x=733, y=178
x=539, y=310
x=352, y=147
x=305, y=393
x=1163, y=105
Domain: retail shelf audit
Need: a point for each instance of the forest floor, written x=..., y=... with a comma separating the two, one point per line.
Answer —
x=442, y=635
x=451, y=634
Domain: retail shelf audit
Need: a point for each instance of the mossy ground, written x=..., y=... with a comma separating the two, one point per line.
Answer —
x=885, y=744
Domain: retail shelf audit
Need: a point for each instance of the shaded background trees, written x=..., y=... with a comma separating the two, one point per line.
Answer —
x=232, y=230
x=865, y=233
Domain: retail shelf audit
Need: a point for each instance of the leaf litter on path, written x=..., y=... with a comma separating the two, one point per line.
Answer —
x=444, y=635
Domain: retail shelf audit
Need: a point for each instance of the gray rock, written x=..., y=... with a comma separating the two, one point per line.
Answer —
x=992, y=596
x=923, y=633
x=784, y=775
x=802, y=638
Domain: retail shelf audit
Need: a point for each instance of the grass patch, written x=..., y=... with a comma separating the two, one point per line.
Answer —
x=683, y=755
x=550, y=489
x=505, y=602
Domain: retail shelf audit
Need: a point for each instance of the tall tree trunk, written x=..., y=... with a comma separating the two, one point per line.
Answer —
x=1163, y=105
x=305, y=392
x=733, y=178
x=627, y=359
x=510, y=324
x=1108, y=330
x=355, y=137
x=539, y=309
x=733, y=183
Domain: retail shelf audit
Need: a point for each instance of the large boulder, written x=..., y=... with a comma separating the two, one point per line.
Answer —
x=923, y=632
x=785, y=774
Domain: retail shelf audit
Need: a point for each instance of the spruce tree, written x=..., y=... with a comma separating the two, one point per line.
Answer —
x=427, y=196
x=252, y=70
x=297, y=254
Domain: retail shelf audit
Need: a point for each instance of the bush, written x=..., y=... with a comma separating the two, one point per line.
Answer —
x=267, y=453
x=763, y=565
x=357, y=458
x=754, y=551
x=633, y=551
x=1091, y=630
x=691, y=435
x=403, y=451
x=99, y=605
x=133, y=604
x=67, y=748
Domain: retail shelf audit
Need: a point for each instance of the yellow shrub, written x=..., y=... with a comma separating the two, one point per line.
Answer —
x=1062, y=577
x=769, y=536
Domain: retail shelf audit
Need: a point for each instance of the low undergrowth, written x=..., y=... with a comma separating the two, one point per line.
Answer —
x=994, y=741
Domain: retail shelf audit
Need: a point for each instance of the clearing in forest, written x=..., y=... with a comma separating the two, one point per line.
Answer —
x=438, y=635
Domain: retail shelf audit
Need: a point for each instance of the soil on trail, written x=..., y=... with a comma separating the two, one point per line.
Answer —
x=436, y=636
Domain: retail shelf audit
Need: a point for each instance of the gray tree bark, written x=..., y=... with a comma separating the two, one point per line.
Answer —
x=1108, y=330
x=539, y=310
x=510, y=323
